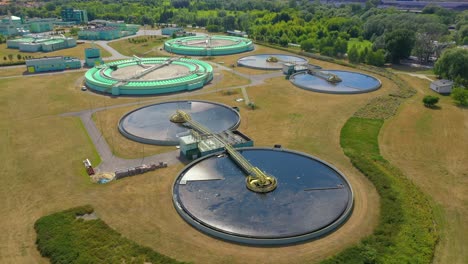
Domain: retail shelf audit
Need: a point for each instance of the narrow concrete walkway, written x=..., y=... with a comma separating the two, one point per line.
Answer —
x=246, y=96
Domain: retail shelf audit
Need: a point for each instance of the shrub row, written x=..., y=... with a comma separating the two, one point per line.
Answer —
x=64, y=238
x=406, y=232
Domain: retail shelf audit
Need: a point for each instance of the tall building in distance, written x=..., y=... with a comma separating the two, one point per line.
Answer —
x=74, y=15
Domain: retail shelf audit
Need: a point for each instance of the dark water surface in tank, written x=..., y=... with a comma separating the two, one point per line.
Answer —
x=260, y=61
x=352, y=82
x=151, y=124
x=310, y=195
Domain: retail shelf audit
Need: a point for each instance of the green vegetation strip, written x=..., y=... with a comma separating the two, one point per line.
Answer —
x=406, y=231
x=65, y=238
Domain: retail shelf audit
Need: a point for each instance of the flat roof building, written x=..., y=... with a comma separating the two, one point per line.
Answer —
x=109, y=32
x=56, y=63
x=442, y=86
x=45, y=44
x=194, y=145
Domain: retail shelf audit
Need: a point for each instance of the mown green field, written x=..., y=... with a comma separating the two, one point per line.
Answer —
x=142, y=46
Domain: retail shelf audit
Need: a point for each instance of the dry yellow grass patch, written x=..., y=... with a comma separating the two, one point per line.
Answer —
x=12, y=71
x=225, y=79
x=42, y=172
x=430, y=146
x=297, y=119
x=150, y=48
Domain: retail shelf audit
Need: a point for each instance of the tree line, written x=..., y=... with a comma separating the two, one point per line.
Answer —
x=316, y=27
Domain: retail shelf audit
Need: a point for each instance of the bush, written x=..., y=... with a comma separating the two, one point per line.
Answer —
x=353, y=55
x=430, y=101
x=460, y=96
x=406, y=232
x=65, y=239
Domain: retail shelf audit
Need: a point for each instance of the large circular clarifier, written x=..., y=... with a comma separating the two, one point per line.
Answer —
x=208, y=45
x=149, y=76
x=311, y=199
x=151, y=124
x=352, y=82
x=269, y=61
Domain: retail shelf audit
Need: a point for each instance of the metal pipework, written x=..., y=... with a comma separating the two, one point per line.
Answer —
x=256, y=180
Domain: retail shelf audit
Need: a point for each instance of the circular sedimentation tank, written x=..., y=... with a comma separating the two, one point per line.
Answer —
x=351, y=82
x=311, y=199
x=149, y=76
x=269, y=61
x=152, y=125
x=208, y=45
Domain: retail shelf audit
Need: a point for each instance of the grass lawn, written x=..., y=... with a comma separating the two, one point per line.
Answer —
x=77, y=51
x=286, y=115
x=405, y=68
x=150, y=48
x=42, y=171
x=429, y=145
x=12, y=71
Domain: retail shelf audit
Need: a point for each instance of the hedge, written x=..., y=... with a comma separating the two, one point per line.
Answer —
x=64, y=238
x=406, y=232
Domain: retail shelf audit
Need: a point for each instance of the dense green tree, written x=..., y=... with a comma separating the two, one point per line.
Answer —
x=462, y=35
x=376, y=58
x=340, y=47
x=74, y=31
x=453, y=65
x=399, y=44
x=353, y=55
x=430, y=101
x=363, y=54
x=307, y=45
x=424, y=47
x=284, y=40
x=460, y=95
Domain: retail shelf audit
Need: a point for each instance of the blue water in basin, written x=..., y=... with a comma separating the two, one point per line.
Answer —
x=352, y=82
